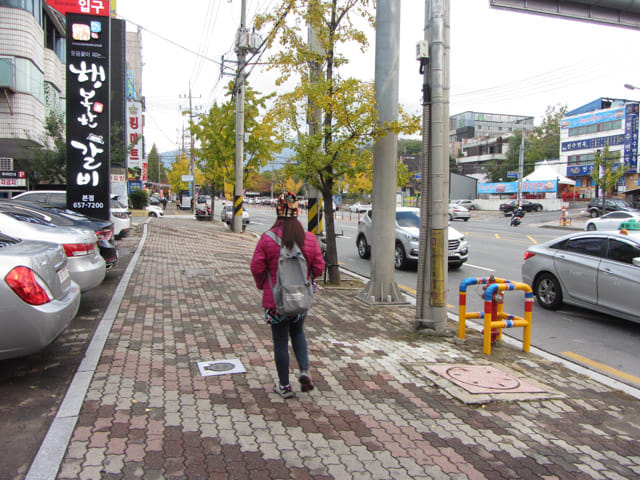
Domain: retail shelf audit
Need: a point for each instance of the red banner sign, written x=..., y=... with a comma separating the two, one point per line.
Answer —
x=88, y=7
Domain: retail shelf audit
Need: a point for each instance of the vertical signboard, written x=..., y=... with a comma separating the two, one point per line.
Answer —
x=631, y=137
x=134, y=143
x=88, y=122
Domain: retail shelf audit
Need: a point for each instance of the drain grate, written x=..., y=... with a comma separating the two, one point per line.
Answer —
x=200, y=272
x=221, y=367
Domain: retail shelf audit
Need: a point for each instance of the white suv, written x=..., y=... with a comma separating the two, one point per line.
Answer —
x=407, y=238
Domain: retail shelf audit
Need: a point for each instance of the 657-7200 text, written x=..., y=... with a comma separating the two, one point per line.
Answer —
x=88, y=204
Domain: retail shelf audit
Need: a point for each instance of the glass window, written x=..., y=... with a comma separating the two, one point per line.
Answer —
x=29, y=79
x=7, y=73
x=408, y=219
x=622, y=251
x=592, y=246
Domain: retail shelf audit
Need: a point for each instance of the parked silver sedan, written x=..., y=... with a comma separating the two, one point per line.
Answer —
x=86, y=267
x=38, y=299
x=595, y=270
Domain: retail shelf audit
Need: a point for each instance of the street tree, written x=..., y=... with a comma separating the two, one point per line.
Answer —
x=340, y=109
x=156, y=171
x=216, y=133
x=45, y=162
x=607, y=170
x=179, y=168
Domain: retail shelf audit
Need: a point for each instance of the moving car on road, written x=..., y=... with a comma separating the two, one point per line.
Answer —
x=407, y=237
x=595, y=270
x=458, y=212
x=38, y=299
x=611, y=221
x=468, y=204
x=526, y=205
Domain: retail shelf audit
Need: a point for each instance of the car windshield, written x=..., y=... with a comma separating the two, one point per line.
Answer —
x=408, y=219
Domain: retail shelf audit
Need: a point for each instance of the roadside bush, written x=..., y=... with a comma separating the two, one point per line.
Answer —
x=139, y=199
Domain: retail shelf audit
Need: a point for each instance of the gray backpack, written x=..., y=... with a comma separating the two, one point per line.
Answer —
x=293, y=291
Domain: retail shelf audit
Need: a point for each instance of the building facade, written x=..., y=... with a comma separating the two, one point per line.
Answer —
x=476, y=138
x=32, y=75
x=590, y=128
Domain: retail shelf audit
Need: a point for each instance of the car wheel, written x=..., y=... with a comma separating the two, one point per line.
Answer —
x=363, y=247
x=400, y=258
x=471, y=207
x=152, y=214
x=591, y=227
x=594, y=214
x=538, y=208
x=466, y=219
x=548, y=291
x=455, y=266
x=450, y=217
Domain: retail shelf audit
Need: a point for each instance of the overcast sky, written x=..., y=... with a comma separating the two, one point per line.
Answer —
x=501, y=62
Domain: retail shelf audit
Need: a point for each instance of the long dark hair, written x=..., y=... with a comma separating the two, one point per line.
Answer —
x=292, y=231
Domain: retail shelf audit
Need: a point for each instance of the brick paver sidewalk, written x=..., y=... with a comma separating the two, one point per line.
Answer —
x=378, y=411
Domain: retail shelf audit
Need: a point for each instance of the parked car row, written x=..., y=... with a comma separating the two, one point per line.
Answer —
x=48, y=256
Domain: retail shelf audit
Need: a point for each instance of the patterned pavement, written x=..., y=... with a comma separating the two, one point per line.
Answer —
x=380, y=409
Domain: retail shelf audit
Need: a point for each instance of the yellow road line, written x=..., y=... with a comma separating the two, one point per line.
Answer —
x=603, y=367
x=532, y=239
x=496, y=235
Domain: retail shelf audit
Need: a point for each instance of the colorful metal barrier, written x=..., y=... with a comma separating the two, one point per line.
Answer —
x=495, y=319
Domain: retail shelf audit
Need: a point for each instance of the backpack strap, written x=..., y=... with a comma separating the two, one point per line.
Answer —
x=272, y=235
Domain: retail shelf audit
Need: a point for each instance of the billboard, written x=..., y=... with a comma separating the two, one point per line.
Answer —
x=86, y=7
x=88, y=122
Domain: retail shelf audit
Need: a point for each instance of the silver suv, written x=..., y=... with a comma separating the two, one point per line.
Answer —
x=407, y=237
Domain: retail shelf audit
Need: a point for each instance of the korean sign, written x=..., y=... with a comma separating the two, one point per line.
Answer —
x=86, y=7
x=88, y=115
x=538, y=186
x=10, y=178
x=134, y=140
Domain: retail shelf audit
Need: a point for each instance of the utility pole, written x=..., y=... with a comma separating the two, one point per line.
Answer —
x=520, y=170
x=192, y=164
x=382, y=288
x=242, y=45
x=431, y=312
x=314, y=206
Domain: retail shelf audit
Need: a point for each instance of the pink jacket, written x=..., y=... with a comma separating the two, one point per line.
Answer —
x=266, y=256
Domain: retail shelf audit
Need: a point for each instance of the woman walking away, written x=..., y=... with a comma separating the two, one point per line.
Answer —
x=265, y=262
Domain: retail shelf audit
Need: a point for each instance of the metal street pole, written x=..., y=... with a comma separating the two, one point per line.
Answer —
x=241, y=51
x=520, y=169
x=382, y=287
x=431, y=305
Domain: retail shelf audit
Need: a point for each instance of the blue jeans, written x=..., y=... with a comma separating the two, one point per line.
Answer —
x=281, y=333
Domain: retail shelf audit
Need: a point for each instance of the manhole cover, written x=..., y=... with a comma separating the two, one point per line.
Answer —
x=484, y=379
x=220, y=367
x=199, y=272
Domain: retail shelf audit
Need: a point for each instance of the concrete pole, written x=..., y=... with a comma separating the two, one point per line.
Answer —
x=520, y=169
x=314, y=205
x=382, y=287
x=239, y=164
x=431, y=309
